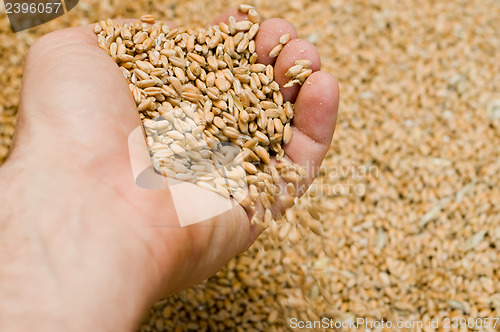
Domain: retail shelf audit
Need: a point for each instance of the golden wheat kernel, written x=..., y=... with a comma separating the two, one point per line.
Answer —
x=268, y=217
x=206, y=185
x=168, y=52
x=262, y=119
x=263, y=154
x=288, y=109
x=272, y=113
x=294, y=70
x=253, y=16
x=251, y=143
x=214, y=41
x=227, y=74
x=238, y=37
x=287, y=133
x=190, y=44
x=219, y=122
x=250, y=155
x=137, y=26
x=238, y=90
x=145, y=104
x=231, y=132
x=121, y=49
x=278, y=126
x=243, y=25
x=213, y=93
x=243, y=78
x=210, y=79
x=177, y=85
x=222, y=105
x=224, y=28
x=125, y=58
x=139, y=37
x=196, y=57
x=250, y=168
x=303, y=74
x=136, y=93
x=152, y=91
x=232, y=25
x=275, y=51
x=97, y=28
x=266, y=200
x=147, y=19
x=179, y=73
x=243, y=126
x=252, y=188
x=253, y=31
x=221, y=63
x=243, y=8
x=212, y=63
x=283, y=231
x=113, y=48
x=304, y=63
x=147, y=44
x=266, y=104
x=177, y=61
x=255, y=84
x=276, y=139
x=244, y=116
x=209, y=117
x=291, y=83
x=110, y=31
x=285, y=38
x=257, y=68
x=264, y=80
x=263, y=139
x=145, y=83
x=243, y=45
x=270, y=127
x=144, y=66
x=229, y=118
x=222, y=84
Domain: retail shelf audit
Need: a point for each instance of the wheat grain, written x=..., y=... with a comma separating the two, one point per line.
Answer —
x=275, y=51
x=208, y=86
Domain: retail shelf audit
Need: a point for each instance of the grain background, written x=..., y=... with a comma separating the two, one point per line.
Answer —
x=418, y=236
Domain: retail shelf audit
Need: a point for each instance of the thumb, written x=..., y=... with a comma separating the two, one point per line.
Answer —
x=77, y=97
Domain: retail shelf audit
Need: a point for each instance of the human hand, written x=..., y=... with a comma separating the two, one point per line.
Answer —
x=77, y=230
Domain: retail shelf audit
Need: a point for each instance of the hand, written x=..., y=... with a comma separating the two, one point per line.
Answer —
x=79, y=251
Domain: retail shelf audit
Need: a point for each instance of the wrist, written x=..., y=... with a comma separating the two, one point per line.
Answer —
x=51, y=277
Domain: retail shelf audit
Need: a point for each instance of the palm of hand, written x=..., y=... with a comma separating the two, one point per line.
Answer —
x=75, y=118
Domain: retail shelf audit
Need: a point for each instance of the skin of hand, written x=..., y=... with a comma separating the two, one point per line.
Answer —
x=77, y=249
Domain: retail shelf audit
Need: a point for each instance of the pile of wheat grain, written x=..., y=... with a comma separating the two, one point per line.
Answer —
x=420, y=93
x=212, y=114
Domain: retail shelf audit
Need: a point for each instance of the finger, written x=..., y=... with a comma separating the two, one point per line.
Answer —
x=63, y=60
x=268, y=37
x=314, y=121
x=294, y=50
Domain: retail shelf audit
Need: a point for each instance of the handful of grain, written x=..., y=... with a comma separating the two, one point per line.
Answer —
x=212, y=115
